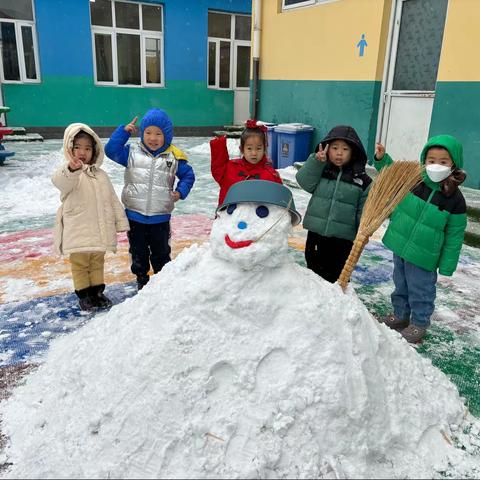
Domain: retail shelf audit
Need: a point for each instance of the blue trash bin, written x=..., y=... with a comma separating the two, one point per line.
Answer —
x=293, y=143
x=272, y=144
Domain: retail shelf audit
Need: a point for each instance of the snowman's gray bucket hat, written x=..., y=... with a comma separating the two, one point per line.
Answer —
x=264, y=192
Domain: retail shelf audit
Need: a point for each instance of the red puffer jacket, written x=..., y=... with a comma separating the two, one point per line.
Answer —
x=226, y=172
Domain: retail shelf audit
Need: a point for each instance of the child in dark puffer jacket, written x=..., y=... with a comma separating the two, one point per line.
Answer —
x=425, y=233
x=335, y=176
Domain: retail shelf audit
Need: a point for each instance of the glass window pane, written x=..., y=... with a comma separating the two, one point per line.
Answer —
x=212, y=55
x=419, y=44
x=16, y=9
x=126, y=15
x=11, y=70
x=103, y=57
x=243, y=66
x=243, y=26
x=224, y=65
x=152, y=17
x=153, y=63
x=219, y=25
x=101, y=13
x=128, y=58
x=290, y=3
x=29, y=53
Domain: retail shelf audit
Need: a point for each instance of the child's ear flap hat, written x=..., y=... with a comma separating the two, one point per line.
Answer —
x=160, y=119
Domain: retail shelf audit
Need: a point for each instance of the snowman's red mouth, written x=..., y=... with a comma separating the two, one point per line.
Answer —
x=241, y=244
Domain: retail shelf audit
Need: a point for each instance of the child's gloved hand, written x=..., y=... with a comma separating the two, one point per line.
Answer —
x=379, y=151
x=176, y=196
x=322, y=154
x=131, y=128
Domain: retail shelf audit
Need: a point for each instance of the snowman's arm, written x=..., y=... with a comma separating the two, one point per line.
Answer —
x=219, y=158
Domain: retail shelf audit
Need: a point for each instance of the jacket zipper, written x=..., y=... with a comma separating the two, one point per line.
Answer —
x=418, y=222
x=333, y=199
x=150, y=186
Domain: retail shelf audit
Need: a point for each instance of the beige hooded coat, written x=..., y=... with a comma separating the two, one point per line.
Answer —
x=91, y=213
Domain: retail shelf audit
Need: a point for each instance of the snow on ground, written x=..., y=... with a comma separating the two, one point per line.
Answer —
x=209, y=373
x=257, y=409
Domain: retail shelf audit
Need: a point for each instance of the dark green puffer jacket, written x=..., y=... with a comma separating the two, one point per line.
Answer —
x=427, y=227
x=338, y=194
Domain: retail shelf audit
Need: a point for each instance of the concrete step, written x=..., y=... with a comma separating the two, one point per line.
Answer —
x=234, y=128
x=18, y=130
x=24, y=137
x=228, y=134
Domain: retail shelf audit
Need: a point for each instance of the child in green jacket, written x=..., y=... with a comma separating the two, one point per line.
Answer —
x=425, y=233
x=335, y=176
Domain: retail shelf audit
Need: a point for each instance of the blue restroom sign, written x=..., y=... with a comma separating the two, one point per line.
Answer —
x=361, y=45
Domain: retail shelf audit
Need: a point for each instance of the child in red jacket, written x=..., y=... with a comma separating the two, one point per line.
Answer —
x=254, y=164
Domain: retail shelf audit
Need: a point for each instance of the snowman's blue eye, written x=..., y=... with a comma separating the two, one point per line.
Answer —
x=231, y=208
x=262, y=211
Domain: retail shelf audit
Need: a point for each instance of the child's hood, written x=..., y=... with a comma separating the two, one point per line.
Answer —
x=75, y=128
x=349, y=135
x=450, y=143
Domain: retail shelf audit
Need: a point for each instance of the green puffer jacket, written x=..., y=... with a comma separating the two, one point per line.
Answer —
x=337, y=198
x=427, y=227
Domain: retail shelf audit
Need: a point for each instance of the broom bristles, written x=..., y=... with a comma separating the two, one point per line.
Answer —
x=387, y=191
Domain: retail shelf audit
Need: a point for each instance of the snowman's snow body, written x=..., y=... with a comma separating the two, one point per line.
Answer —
x=234, y=362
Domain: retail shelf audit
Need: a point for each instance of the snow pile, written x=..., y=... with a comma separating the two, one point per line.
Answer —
x=235, y=363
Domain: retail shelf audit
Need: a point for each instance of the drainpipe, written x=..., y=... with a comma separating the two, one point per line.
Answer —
x=257, y=21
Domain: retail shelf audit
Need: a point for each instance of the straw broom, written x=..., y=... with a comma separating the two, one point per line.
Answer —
x=387, y=191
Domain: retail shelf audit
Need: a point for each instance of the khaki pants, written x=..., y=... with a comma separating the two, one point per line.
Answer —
x=87, y=269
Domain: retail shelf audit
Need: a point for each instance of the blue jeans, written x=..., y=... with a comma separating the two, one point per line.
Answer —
x=415, y=292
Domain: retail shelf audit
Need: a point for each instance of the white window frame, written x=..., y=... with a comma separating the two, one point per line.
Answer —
x=18, y=24
x=305, y=3
x=233, y=53
x=143, y=34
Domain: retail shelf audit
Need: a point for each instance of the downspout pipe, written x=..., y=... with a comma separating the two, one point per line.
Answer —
x=257, y=22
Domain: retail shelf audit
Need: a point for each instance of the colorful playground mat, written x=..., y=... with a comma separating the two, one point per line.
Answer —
x=37, y=303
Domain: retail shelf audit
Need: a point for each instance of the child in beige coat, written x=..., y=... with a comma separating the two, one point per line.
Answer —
x=90, y=215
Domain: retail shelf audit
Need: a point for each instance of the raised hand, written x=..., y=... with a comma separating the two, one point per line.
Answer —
x=74, y=163
x=379, y=151
x=322, y=154
x=131, y=127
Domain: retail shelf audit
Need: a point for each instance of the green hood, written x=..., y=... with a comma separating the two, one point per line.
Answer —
x=448, y=142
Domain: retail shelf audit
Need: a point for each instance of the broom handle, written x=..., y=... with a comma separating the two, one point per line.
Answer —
x=358, y=245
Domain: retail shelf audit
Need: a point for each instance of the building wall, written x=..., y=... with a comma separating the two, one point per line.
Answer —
x=309, y=59
x=311, y=71
x=457, y=101
x=67, y=92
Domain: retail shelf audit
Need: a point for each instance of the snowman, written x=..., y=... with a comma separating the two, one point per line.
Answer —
x=235, y=362
x=252, y=225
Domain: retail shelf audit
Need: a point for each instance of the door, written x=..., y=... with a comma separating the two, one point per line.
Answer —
x=409, y=88
x=241, y=82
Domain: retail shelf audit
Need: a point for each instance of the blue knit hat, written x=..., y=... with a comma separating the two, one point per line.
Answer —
x=160, y=119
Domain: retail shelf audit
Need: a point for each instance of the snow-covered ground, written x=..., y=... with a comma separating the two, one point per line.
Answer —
x=246, y=400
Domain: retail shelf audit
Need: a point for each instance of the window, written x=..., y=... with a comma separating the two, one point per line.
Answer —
x=228, y=51
x=18, y=43
x=291, y=4
x=128, y=43
x=296, y=3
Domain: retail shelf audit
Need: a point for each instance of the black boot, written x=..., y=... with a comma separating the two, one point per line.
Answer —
x=84, y=299
x=142, y=280
x=98, y=298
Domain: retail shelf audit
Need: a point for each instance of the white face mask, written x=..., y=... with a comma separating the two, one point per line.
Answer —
x=437, y=173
